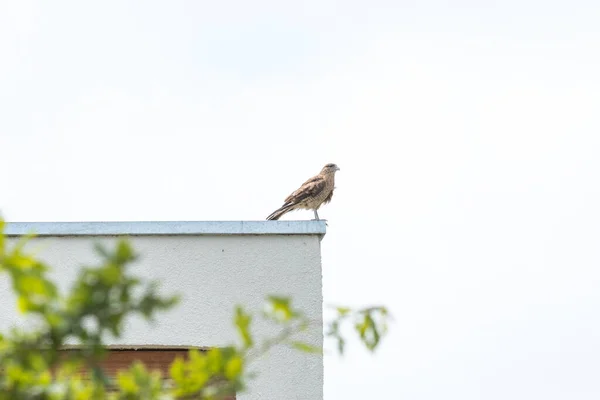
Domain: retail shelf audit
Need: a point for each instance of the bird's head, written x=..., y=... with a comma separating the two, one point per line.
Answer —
x=330, y=169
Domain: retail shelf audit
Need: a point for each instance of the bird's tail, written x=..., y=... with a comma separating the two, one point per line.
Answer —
x=280, y=211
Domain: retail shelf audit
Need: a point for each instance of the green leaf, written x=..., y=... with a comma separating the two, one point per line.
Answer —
x=306, y=348
x=341, y=345
x=31, y=285
x=23, y=304
x=20, y=261
x=197, y=372
x=110, y=275
x=127, y=383
x=242, y=322
x=124, y=252
x=343, y=311
x=177, y=370
x=368, y=332
x=280, y=308
x=215, y=360
x=233, y=368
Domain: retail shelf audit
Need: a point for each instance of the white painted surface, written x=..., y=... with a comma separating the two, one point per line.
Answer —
x=167, y=228
x=212, y=273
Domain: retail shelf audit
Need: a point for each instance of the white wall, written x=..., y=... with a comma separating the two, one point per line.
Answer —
x=212, y=272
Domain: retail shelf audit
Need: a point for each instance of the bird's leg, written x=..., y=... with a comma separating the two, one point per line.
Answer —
x=316, y=215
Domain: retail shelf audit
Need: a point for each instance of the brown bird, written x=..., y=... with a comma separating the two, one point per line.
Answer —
x=313, y=193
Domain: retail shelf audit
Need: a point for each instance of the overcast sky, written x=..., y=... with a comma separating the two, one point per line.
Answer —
x=467, y=134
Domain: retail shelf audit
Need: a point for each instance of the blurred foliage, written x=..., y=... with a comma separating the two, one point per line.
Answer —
x=370, y=324
x=34, y=365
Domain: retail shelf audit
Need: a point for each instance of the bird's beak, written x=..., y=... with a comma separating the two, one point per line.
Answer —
x=337, y=168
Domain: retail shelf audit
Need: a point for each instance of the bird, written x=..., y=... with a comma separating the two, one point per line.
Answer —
x=313, y=193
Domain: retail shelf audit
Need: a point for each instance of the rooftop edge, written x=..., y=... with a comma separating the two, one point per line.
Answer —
x=139, y=228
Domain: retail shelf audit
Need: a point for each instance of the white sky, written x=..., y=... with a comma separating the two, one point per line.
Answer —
x=467, y=133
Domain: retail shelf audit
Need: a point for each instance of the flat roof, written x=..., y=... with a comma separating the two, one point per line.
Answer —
x=140, y=228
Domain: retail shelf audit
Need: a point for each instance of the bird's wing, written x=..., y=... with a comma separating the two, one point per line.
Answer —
x=309, y=189
x=328, y=198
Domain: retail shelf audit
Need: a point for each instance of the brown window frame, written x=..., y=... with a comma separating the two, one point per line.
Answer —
x=153, y=357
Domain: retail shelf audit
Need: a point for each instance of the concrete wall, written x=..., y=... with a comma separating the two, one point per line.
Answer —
x=213, y=265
